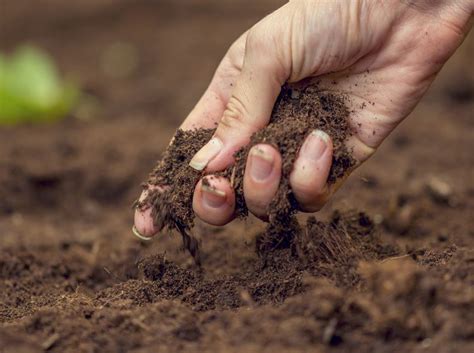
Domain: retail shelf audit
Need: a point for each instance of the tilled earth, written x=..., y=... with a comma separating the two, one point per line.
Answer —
x=392, y=271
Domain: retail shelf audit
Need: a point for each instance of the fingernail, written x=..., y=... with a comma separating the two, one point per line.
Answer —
x=213, y=197
x=261, y=164
x=140, y=235
x=315, y=145
x=206, y=154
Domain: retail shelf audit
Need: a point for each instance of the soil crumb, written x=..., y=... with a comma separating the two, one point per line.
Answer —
x=297, y=112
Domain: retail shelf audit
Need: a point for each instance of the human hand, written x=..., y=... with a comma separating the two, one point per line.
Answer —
x=382, y=54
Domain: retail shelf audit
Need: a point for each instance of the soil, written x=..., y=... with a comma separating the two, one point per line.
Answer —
x=297, y=112
x=386, y=266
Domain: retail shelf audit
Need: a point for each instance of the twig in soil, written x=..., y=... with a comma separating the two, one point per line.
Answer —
x=329, y=330
x=110, y=273
x=232, y=177
x=50, y=341
x=139, y=323
x=394, y=258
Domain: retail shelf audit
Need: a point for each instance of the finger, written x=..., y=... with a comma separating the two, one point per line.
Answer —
x=205, y=114
x=214, y=200
x=143, y=221
x=308, y=179
x=249, y=106
x=261, y=179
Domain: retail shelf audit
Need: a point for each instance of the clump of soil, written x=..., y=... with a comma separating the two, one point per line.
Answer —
x=297, y=112
x=172, y=207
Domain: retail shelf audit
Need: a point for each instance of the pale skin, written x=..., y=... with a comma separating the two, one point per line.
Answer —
x=383, y=54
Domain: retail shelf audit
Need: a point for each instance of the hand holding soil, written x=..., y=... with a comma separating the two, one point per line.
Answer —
x=350, y=71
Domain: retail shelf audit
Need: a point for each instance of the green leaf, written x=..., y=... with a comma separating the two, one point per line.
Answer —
x=31, y=89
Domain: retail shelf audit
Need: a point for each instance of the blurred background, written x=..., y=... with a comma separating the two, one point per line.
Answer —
x=136, y=68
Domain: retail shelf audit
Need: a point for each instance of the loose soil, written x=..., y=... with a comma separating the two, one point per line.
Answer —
x=387, y=266
x=297, y=112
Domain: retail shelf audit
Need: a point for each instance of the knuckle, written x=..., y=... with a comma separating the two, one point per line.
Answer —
x=234, y=114
x=235, y=57
x=267, y=46
x=261, y=40
x=254, y=40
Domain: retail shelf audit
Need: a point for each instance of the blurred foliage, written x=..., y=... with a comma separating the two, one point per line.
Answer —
x=31, y=89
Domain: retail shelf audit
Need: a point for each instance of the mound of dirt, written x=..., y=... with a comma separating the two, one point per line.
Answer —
x=348, y=289
x=331, y=250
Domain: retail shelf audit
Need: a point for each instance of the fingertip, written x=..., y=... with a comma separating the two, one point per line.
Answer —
x=308, y=179
x=214, y=200
x=143, y=220
x=262, y=178
x=144, y=224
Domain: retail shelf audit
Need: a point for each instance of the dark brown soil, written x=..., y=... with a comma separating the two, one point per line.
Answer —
x=397, y=277
x=297, y=112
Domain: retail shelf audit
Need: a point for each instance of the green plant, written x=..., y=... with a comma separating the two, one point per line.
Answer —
x=31, y=89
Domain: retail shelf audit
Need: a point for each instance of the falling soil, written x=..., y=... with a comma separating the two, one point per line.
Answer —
x=297, y=112
x=331, y=250
x=396, y=277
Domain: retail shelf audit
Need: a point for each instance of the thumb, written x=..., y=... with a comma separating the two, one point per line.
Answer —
x=250, y=104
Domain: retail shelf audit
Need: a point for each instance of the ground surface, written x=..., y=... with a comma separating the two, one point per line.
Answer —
x=73, y=279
